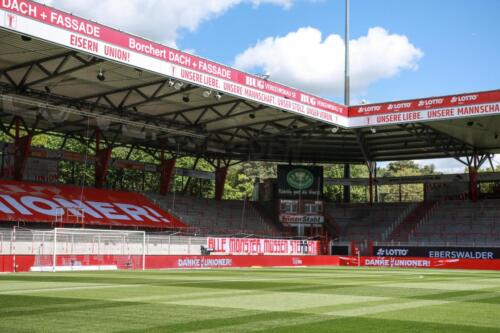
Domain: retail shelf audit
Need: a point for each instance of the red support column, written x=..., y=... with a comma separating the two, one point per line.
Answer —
x=21, y=155
x=370, y=185
x=167, y=168
x=102, y=161
x=18, y=127
x=370, y=248
x=473, y=195
x=354, y=249
x=220, y=181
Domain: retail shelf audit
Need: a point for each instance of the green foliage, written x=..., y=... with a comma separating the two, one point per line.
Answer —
x=407, y=192
x=240, y=179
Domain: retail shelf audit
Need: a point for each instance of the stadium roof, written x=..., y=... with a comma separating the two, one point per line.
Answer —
x=67, y=75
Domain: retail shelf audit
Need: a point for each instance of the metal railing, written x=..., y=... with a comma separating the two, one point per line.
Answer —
x=22, y=241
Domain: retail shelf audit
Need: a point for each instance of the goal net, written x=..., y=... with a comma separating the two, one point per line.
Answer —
x=65, y=249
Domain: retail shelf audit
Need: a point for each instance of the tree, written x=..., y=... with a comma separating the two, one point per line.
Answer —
x=406, y=192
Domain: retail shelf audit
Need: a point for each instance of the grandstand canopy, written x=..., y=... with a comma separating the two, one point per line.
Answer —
x=73, y=78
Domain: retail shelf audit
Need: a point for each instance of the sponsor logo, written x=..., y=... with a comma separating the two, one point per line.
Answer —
x=254, y=82
x=466, y=98
x=308, y=100
x=204, y=262
x=300, y=179
x=431, y=102
x=461, y=254
x=392, y=252
x=399, y=106
x=301, y=219
x=371, y=108
x=395, y=262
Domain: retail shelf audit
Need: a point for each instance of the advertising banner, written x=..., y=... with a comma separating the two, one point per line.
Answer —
x=55, y=26
x=30, y=202
x=305, y=182
x=60, y=28
x=400, y=262
x=26, y=262
x=299, y=219
x=441, y=252
x=427, y=109
x=257, y=246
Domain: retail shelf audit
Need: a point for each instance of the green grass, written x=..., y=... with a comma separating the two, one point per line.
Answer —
x=252, y=300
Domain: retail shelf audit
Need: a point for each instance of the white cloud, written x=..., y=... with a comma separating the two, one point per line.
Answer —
x=305, y=60
x=160, y=20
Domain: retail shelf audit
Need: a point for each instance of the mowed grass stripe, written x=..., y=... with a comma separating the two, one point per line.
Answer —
x=247, y=300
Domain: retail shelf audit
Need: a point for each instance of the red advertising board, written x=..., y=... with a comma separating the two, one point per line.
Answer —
x=30, y=202
x=24, y=263
x=404, y=262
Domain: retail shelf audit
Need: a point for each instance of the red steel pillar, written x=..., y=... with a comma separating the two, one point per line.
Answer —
x=167, y=168
x=473, y=195
x=220, y=181
x=21, y=155
x=370, y=187
x=102, y=162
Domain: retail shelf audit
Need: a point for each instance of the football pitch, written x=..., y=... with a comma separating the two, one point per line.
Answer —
x=252, y=300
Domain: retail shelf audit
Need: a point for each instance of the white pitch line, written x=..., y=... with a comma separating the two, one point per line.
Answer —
x=27, y=291
x=24, y=291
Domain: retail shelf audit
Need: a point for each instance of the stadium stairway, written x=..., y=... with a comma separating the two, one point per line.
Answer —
x=268, y=215
x=332, y=227
x=362, y=222
x=419, y=215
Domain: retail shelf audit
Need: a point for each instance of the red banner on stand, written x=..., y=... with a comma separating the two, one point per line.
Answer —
x=259, y=246
x=30, y=202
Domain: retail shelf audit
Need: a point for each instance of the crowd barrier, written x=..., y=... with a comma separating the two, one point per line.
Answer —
x=24, y=263
x=418, y=262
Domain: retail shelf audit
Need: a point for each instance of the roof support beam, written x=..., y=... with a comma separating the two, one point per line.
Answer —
x=449, y=145
x=363, y=146
x=49, y=75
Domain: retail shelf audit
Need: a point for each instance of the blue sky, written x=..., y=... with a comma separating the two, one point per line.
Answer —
x=401, y=49
x=460, y=39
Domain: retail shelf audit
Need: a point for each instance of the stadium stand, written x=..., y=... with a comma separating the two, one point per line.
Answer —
x=359, y=222
x=462, y=222
x=226, y=216
x=420, y=212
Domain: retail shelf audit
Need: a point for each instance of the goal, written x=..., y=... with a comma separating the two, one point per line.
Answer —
x=65, y=249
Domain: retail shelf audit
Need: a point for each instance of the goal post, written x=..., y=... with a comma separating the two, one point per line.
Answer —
x=66, y=249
